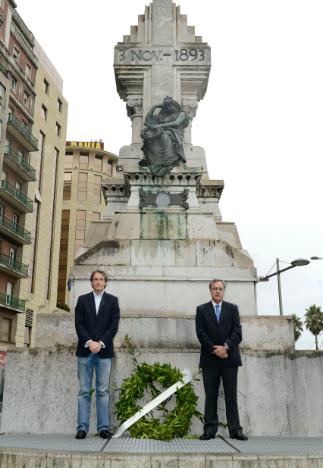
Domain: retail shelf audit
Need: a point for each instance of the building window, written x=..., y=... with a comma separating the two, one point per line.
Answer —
x=82, y=186
x=41, y=141
x=13, y=84
x=15, y=220
x=29, y=70
x=6, y=329
x=12, y=257
x=97, y=163
x=16, y=53
x=46, y=86
x=97, y=189
x=59, y=105
x=111, y=167
x=80, y=226
x=67, y=186
x=26, y=98
x=2, y=95
x=43, y=112
x=84, y=161
x=68, y=161
x=58, y=129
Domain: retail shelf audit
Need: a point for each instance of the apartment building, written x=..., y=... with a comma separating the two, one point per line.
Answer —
x=86, y=164
x=32, y=144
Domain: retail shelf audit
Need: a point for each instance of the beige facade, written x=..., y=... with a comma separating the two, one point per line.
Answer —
x=86, y=164
x=33, y=118
x=50, y=124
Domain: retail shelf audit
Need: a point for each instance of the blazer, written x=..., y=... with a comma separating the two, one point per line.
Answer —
x=210, y=332
x=98, y=327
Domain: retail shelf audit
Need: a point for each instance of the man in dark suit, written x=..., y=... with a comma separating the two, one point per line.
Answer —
x=219, y=332
x=97, y=317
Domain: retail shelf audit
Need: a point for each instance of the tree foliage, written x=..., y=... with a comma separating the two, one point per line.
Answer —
x=314, y=321
x=298, y=326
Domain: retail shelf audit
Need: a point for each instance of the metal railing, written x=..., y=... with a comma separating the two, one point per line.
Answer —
x=13, y=227
x=17, y=194
x=23, y=130
x=20, y=161
x=12, y=301
x=13, y=264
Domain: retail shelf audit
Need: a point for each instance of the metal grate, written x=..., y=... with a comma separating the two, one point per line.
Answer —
x=29, y=318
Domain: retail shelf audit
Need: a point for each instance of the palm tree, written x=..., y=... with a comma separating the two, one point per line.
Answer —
x=298, y=326
x=314, y=321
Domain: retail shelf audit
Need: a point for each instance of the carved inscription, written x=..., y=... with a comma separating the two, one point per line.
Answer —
x=179, y=56
x=191, y=54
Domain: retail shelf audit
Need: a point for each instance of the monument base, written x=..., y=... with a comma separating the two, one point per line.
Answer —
x=276, y=386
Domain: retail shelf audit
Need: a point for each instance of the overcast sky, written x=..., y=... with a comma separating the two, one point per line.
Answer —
x=260, y=122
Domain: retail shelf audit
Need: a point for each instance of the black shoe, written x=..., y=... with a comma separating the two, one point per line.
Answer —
x=239, y=435
x=105, y=434
x=81, y=434
x=207, y=436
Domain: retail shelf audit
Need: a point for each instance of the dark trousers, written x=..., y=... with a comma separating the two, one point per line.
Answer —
x=211, y=380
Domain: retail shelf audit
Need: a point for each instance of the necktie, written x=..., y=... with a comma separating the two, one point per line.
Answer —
x=217, y=311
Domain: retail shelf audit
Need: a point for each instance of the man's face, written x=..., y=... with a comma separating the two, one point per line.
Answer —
x=217, y=291
x=98, y=283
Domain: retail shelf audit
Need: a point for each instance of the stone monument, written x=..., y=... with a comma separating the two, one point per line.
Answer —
x=162, y=238
x=161, y=241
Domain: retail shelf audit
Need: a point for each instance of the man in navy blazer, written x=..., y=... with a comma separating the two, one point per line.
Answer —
x=219, y=332
x=97, y=317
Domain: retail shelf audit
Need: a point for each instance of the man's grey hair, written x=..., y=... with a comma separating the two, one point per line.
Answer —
x=216, y=281
x=102, y=272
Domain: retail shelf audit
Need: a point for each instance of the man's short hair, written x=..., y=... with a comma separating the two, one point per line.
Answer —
x=102, y=272
x=216, y=281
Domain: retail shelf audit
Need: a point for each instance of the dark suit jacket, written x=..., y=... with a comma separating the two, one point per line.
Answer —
x=210, y=332
x=101, y=327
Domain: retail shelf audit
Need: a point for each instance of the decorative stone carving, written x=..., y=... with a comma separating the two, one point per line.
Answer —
x=210, y=189
x=163, y=137
x=134, y=107
x=163, y=199
x=115, y=189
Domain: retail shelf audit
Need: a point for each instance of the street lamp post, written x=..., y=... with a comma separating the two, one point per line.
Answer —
x=293, y=264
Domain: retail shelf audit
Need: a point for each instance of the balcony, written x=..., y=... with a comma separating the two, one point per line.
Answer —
x=13, y=267
x=15, y=197
x=19, y=164
x=19, y=131
x=14, y=231
x=11, y=302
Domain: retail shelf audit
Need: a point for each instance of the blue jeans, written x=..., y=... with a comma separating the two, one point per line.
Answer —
x=85, y=368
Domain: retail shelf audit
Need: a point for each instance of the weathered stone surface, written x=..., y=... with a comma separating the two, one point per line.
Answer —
x=84, y=461
x=218, y=461
x=134, y=461
x=266, y=333
x=58, y=460
x=271, y=384
x=191, y=462
x=164, y=461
